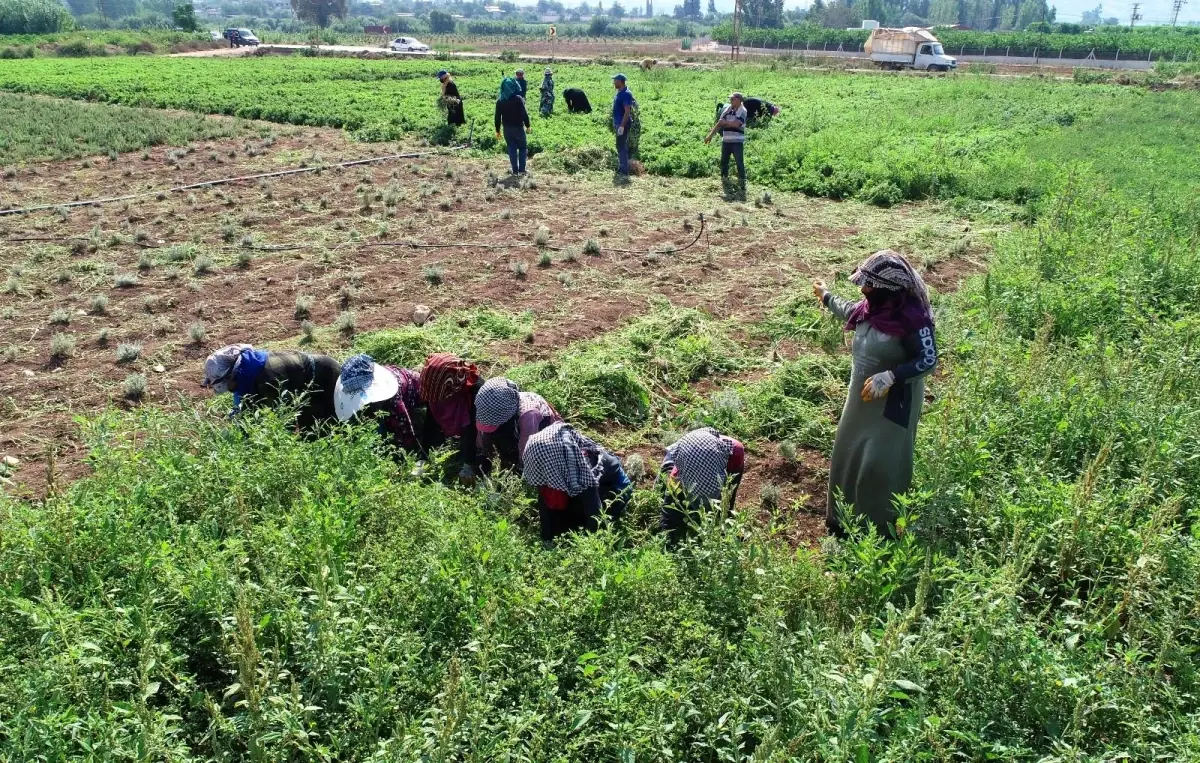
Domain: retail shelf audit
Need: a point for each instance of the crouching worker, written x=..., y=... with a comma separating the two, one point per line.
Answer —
x=578, y=481
x=393, y=394
x=506, y=418
x=448, y=386
x=262, y=378
x=694, y=475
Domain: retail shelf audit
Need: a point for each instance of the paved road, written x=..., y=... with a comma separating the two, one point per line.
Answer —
x=1088, y=63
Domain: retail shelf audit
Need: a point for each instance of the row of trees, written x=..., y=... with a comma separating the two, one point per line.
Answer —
x=991, y=15
x=33, y=17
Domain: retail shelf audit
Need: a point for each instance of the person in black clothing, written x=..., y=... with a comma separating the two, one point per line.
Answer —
x=756, y=108
x=452, y=100
x=260, y=378
x=577, y=481
x=520, y=77
x=512, y=116
x=577, y=101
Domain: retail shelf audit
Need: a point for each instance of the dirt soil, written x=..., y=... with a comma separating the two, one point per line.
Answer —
x=184, y=273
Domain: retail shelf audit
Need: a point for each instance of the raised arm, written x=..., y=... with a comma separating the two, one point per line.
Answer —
x=840, y=308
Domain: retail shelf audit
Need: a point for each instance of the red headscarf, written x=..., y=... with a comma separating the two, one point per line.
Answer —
x=448, y=386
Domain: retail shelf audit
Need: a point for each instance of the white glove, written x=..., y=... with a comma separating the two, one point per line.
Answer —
x=620, y=131
x=877, y=386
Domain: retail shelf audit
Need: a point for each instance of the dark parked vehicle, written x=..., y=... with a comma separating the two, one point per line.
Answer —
x=238, y=37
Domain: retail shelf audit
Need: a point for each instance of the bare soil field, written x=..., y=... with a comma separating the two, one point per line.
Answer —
x=179, y=274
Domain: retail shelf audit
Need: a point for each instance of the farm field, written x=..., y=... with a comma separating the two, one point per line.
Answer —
x=880, y=139
x=176, y=587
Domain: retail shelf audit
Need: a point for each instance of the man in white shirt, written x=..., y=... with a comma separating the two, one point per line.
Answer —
x=732, y=126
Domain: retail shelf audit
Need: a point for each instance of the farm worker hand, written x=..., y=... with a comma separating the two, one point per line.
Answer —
x=497, y=135
x=819, y=289
x=529, y=130
x=620, y=131
x=877, y=386
x=707, y=139
x=466, y=476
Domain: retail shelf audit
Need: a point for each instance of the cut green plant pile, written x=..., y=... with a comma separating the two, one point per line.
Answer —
x=882, y=139
x=218, y=592
x=43, y=128
x=465, y=333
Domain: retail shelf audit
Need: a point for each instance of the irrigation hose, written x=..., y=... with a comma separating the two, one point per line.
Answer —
x=223, y=181
x=469, y=245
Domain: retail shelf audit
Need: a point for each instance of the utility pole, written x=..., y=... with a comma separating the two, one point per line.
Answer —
x=735, y=43
x=1176, y=7
x=1135, y=16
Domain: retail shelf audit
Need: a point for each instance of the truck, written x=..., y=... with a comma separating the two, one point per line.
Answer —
x=908, y=48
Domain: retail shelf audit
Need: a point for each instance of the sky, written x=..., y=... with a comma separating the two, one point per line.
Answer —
x=1153, y=11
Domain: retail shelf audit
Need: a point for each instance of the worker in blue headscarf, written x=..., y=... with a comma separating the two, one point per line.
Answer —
x=512, y=117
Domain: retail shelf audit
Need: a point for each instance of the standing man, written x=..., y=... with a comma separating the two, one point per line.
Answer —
x=547, y=93
x=732, y=126
x=524, y=85
x=451, y=99
x=622, y=117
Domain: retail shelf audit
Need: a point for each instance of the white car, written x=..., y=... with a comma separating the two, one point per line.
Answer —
x=409, y=45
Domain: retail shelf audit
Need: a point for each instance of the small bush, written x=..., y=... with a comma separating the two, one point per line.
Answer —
x=308, y=332
x=434, y=274
x=60, y=317
x=591, y=247
x=510, y=56
x=202, y=264
x=303, y=307
x=635, y=467
x=347, y=323
x=128, y=352
x=519, y=268
x=243, y=259
x=541, y=236
x=787, y=451
x=134, y=387
x=770, y=495
x=125, y=280
x=62, y=346
x=197, y=333
x=545, y=260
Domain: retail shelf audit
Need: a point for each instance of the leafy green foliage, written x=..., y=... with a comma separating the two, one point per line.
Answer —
x=882, y=139
x=464, y=333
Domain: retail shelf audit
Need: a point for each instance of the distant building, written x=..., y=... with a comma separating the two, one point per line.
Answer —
x=493, y=10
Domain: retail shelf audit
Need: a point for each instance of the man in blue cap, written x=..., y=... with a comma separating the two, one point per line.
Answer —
x=622, y=117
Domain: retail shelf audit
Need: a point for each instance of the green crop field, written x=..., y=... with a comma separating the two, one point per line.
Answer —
x=190, y=588
x=883, y=139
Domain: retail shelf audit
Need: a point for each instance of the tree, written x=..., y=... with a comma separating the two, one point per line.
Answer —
x=616, y=10
x=761, y=13
x=319, y=12
x=689, y=10
x=712, y=9
x=441, y=22
x=598, y=27
x=184, y=17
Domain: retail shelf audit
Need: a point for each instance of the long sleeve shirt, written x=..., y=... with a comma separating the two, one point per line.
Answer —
x=511, y=113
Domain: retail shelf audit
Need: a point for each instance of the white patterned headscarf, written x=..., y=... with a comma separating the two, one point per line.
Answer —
x=557, y=457
x=218, y=368
x=497, y=401
x=887, y=269
x=702, y=458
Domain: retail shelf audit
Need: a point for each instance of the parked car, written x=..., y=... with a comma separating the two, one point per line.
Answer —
x=409, y=45
x=239, y=37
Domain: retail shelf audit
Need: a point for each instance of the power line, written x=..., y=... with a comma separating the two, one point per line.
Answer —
x=1133, y=17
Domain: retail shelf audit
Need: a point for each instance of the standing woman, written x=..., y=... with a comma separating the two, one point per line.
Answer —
x=894, y=350
x=506, y=418
x=547, y=93
x=511, y=114
x=577, y=481
x=694, y=474
x=451, y=99
x=448, y=386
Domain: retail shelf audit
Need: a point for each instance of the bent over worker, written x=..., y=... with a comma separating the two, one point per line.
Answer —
x=506, y=418
x=578, y=481
x=394, y=394
x=695, y=473
x=894, y=350
x=261, y=378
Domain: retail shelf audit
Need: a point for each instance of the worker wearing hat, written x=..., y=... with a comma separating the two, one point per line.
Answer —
x=547, y=89
x=622, y=118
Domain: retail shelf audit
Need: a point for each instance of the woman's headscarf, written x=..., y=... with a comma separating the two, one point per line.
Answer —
x=702, y=459
x=444, y=380
x=498, y=401
x=899, y=305
x=218, y=368
x=557, y=457
x=508, y=88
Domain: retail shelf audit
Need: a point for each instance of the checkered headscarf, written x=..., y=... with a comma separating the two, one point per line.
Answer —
x=557, y=457
x=887, y=269
x=702, y=458
x=497, y=401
